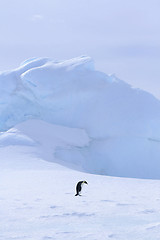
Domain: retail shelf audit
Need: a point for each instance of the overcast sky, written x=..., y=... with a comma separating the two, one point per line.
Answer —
x=122, y=36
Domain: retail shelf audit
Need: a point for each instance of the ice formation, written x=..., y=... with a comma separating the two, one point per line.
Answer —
x=121, y=122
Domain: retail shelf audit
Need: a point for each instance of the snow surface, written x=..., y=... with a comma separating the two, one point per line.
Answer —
x=121, y=123
x=37, y=199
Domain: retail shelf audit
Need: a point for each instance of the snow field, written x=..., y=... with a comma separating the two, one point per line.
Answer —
x=37, y=197
x=40, y=204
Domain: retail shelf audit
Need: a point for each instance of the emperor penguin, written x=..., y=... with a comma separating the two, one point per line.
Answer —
x=79, y=187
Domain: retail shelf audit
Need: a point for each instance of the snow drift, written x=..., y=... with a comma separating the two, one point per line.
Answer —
x=121, y=123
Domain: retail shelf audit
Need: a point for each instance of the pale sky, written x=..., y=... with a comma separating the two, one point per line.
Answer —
x=122, y=36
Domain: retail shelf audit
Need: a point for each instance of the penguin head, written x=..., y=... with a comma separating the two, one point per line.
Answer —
x=85, y=182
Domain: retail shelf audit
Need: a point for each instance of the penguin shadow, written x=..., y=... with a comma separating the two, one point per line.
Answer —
x=81, y=196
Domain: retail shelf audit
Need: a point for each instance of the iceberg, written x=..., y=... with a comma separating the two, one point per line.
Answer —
x=121, y=122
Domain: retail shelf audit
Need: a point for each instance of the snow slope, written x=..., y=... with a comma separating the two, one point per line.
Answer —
x=37, y=199
x=121, y=123
x=46, y=140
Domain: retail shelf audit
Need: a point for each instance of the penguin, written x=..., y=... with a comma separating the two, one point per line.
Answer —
x=79, y=187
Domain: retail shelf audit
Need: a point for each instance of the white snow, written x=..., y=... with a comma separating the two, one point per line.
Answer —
x=60, y=121
x=37, y=199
